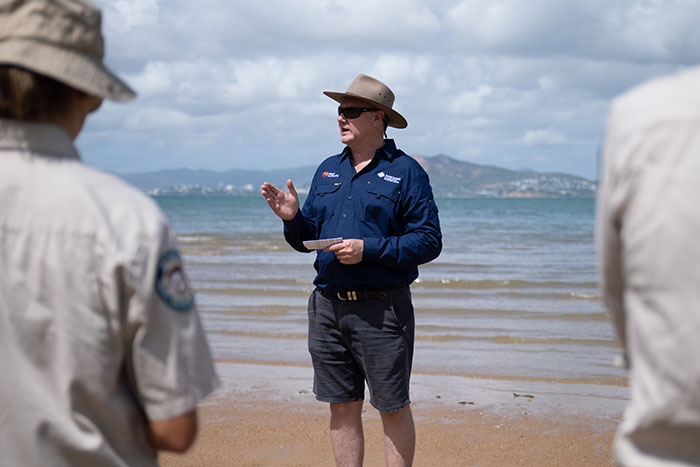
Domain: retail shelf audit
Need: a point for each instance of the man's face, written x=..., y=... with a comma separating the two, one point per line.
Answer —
x=364, y=126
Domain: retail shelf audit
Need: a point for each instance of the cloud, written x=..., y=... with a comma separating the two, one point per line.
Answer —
x=232, y=83
x=127, y=15
x=630, y=30
x=470, y=102
x=542, y=136
x=154, y=118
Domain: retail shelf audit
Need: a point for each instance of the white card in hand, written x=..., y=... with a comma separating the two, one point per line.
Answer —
x=321, y=243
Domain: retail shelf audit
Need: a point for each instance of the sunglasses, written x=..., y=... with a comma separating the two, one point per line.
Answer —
x=353, y=112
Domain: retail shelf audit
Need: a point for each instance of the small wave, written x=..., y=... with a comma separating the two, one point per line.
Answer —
x=556, y=295
x=254, y=311
x=518, y=340
x=257, y=291
x=261, y=284
x=488, y=284
x=600, y=380
x=195, y=239
x=519, y=313
x=437, y=264
x=270, y=335
x=233, y=241
x=586, y=296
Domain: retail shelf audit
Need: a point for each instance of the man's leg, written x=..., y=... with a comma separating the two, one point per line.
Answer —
x=347, y=437
x=399, y=437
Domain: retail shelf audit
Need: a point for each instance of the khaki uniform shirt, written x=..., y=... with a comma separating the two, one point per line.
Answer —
x=648, y=234
x=97, y=322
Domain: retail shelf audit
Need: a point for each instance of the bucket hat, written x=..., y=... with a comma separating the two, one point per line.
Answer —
x=60, y=39
x=375, y=93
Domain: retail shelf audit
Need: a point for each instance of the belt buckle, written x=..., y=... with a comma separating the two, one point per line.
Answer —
x=350, y=295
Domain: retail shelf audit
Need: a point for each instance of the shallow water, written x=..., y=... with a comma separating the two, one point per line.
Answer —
x=513, y=295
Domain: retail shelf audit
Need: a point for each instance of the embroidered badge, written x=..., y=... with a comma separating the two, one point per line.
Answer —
x=330, y=175
x=388, y=178
x=171, y=283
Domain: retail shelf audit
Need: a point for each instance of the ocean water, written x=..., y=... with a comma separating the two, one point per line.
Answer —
x=513, y=296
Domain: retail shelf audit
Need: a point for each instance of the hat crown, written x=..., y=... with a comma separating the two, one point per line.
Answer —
x=67, y=24
x=371, y=89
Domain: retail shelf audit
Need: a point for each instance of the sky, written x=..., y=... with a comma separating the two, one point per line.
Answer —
x=520, y=84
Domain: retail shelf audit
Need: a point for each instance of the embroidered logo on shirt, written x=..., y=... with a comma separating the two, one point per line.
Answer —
x=330, y=175
x=171, y=283
x=389, y=178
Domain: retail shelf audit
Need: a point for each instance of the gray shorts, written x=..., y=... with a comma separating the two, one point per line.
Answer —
x=354, y=341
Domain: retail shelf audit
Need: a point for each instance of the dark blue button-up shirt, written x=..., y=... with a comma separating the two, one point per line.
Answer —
x=389, y=205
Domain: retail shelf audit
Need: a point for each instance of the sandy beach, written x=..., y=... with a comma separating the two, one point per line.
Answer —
x=266, y=415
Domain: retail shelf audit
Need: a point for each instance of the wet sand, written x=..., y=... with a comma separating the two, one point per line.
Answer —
x=266, y=415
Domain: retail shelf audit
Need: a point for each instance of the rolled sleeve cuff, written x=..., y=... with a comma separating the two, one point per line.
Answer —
x=370, y=249
x=180, y=405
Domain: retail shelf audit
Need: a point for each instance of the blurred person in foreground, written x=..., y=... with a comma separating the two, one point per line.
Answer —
x=648, y=231
x=361, y=321
x=103, y=356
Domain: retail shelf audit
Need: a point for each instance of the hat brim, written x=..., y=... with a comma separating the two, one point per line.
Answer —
x=76, y=70
x=393, y=118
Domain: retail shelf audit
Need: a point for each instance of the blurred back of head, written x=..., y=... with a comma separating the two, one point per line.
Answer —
x=30, y=96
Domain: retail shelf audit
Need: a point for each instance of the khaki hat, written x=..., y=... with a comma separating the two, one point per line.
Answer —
x=375, y=93
x=60, y=39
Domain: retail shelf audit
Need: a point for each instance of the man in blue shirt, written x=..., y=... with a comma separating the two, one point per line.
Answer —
x=361, y=324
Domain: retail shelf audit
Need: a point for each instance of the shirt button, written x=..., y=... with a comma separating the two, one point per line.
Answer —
x=345, y=215
x=349, y=196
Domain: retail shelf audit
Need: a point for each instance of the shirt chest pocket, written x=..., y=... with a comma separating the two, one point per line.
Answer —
x=380, y=208
x=325, y=198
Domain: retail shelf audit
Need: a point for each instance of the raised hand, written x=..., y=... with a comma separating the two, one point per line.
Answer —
x=285, y=205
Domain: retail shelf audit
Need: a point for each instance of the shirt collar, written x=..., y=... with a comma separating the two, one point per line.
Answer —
x=39, y=138
x=389, y=150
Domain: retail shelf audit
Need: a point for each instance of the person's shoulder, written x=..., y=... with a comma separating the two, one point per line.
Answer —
x=408, y=163
x=682, y=84
x=331, y=160
x=329, y=164
x=673, y=96
x=117, y=190
x=118, y=203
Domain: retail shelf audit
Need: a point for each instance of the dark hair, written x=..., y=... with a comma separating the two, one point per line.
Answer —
x=29, y=96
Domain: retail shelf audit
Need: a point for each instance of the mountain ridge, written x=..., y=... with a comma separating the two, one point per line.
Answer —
x=448, y=176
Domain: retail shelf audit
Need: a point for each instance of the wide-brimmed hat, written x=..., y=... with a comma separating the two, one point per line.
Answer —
x=60, y=39
x=375, y=93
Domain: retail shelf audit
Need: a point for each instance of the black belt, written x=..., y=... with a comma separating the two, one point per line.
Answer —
x=359, y=295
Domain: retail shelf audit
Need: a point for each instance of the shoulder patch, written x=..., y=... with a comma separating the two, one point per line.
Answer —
x=171, y=282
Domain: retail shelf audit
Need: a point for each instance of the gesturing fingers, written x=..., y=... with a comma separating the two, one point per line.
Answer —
x=292, y=190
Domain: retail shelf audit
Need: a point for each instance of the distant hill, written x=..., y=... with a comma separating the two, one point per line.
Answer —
x=448, y=176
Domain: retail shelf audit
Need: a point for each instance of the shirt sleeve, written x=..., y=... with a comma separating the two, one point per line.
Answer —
x=167, y=353
x=421, y=239
x=303, y=226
